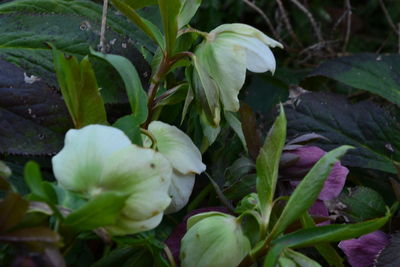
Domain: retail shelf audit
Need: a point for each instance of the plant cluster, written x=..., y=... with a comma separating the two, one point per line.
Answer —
x=147, y=155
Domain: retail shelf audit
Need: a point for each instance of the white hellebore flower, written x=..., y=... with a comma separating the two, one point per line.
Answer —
x=184, y=157
x=225, y=55
x=99, y=158
x=213, y=239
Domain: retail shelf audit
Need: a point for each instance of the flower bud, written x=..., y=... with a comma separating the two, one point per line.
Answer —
x=214, y=239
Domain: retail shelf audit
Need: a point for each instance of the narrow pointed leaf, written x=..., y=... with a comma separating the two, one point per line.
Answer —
x=268, y=161
x=169, y=10
x=322, y=234
x=133, y=86
x=308, y=190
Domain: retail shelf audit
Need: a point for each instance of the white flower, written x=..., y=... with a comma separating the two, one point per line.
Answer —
x=213, y=239
x=185, y=159
x=227, y=52
x=99, y=158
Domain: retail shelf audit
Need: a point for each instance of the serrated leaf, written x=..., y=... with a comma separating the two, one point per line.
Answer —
x=33, y=118
x=72, y=26
x=308, y=190
x=378, y=74
x=373, y=130
x=362, y=203
x=102, y=210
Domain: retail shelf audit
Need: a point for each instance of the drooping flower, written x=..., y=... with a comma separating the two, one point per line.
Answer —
x=363, y=251
x=99, y=158
x=184, y=157
x=222, y=59
x=307, y=156
x=213, y=239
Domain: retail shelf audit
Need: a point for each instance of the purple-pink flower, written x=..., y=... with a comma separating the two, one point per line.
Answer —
x=363, y=251
x=307, y=156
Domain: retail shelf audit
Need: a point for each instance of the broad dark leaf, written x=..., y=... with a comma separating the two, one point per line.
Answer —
x=72, y=26
x=362, y=203
x=390, y=255
x=373, y=130
x=378, y=74
x=33, y=117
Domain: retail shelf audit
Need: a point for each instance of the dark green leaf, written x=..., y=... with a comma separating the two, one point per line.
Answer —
x=322, y=234
x=145, y=25
x=33, y=117
x=72, y=26
x=362, y=203
x=137, y=96
x=249, y=126
x=135, y=4
x=12, y=210
x=371, y=129
x=308, y=190
x=389, y=256
x=268, y=163
x=102, y=210
x=80, y=90
x=378, y=74
x=130, y=126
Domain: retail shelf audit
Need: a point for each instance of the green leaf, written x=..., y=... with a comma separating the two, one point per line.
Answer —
x=79, y=89
x=145, y=25
x=325, y=249
x=268, y=163
x=187, y=11
x=102, y=210
x=362, y=203
x=308, y=190
x=72, y=26
x=130, y=127
x=300, y=259
x=236, y=126
x=322, y=234
x=377, y=74
x=136, y=94
x=33, y=178
x=372, y=129
x=169, y=10
x=136, y=4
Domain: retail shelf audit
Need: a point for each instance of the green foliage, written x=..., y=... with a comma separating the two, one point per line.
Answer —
x=79, y=89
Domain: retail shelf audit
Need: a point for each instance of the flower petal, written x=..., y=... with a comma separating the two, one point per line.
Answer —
x=177, y=147
x=125, y=226
x=180, y=190
x=78, y=166
x=334, y=184
x=145, y=175
x=362, y=251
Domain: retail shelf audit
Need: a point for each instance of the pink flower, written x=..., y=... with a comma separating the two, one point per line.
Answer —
x=363, y=251
x=305, y=158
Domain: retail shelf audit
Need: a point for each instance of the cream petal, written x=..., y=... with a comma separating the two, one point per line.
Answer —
x=245, y=30
x=227, y=66
x=180, y=190
x=125, y=226
x=177, y=147
x=142, y=173
x=79, y=165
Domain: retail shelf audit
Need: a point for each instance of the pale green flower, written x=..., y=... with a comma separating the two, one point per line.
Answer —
x=213, y=239
x=99, y=158
x=185, y=159
x=226, y=53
